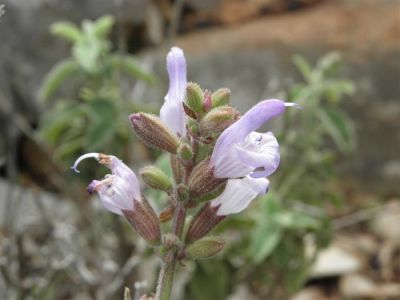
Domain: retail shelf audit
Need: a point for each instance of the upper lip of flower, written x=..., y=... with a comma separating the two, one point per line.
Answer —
x=172, y=113
x=237, y=151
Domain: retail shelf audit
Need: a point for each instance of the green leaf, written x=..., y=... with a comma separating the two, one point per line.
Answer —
x=295, y=220
x=264, y=240
x=304, y=67
x=67, y=31
x=329, y=64
x=210, y=281
x=87, y=53
x=101, y=128
x=58, y=120
x=131, y=67
x=339, y=128
x=103, y=25
x=57, y=76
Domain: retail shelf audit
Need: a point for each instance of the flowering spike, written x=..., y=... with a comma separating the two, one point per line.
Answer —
x=153, y=132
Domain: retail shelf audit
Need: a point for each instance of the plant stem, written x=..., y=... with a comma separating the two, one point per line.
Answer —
x=166, y=277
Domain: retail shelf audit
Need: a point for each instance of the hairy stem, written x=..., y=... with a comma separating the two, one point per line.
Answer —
x=166, y=277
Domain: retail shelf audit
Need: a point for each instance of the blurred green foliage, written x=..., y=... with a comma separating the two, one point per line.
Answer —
x=282, y=232
x=93, y=116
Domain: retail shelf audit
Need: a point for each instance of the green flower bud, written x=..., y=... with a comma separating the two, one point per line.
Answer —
x=204, y=248
x=193, y=126
x=221, y=97
x=194, y=97
x=152, y=131
x=185, y=152
x=156, y=179
x=217, y=120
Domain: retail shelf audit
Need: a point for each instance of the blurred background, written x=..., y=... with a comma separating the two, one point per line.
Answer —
x=72, y=71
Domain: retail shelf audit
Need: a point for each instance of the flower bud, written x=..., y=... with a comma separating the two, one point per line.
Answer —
x=221, y=97
x=193, y=126
x=217, y=120
x=204, y=248
x=205, y=221
x=145, y=221
x=182, y=192
x=194, y=97
x=153, y=132
x=177, y=168
x=185, y=152
x=170, y=240
x=202, y=180
x=209, y=196
x=156, y=179
x=207, y=103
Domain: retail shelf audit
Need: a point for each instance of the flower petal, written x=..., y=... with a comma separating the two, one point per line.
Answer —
x=172, y=113
x=121, y=170
x=238, y=194
x=266, y=156
x=250, y=121
x=230, y=166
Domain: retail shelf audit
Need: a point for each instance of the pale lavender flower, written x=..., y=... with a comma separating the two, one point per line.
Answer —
x=172, y=113
x=238, y=194
x=119, y=190
x=240, y=151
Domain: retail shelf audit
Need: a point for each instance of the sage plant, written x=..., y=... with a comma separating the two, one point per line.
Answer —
x=219, y=165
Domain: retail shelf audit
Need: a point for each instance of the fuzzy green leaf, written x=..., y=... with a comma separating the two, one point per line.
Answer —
x=67, y=31
x=57, y=76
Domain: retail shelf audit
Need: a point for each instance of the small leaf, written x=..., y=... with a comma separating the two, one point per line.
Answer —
x=101, y=129
x=131, y=67
x=264, y=241
x=57, y=76
x=103, y=25
x=214, y=271
x=58, y=120
x=304, y=67
x=339, y=128
x=67, y=31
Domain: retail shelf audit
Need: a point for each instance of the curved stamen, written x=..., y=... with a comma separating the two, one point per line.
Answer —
x=291, y=104
x=83, y=157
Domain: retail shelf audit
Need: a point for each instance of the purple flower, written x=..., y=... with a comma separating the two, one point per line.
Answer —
x=240, y=151
x=172, y=113
x=119, y=190
x=238, y=194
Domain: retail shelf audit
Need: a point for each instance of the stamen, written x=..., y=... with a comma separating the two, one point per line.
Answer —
x=295, y=105
x=83, y=157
